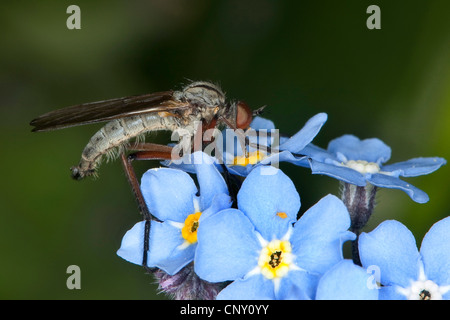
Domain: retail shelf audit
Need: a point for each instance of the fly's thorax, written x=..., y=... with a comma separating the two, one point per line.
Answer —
x=203, y=94
x=206, y=100
x=209, y=101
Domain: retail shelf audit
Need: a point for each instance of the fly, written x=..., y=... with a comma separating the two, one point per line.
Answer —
x=133, y=117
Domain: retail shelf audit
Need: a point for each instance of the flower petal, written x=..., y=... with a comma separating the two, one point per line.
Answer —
x=335, y=171
x=262, y=123
x=298, y=285
x=446, y=296
x=132, y=246
x=386, y=181
x=168, y=193
x=317, y=153
x=210, y=180
x=265, y=194
x=220, y=202
x=392, y=248
x=415, y=167
x=166, y=249
x=252, y=288
x=241, y=171
x=391, y=293
x=285, y=156
x=371, y=150
x=346, y=281
x=435, y=251
x=299, y=140
x=228, y=247
x=319, y=234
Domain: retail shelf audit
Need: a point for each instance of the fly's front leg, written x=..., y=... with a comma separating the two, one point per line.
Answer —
x=146, y=151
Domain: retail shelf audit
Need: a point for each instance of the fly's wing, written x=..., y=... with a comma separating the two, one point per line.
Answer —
x=107, y=110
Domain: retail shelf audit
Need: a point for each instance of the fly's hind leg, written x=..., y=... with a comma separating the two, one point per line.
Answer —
x=143, y=151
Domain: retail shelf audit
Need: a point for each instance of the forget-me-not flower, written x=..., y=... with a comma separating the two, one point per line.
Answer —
x=172, y=197
x=405, y=272
x=266, y=150
x=265, y=146
x=258, y=247
x=359, y=162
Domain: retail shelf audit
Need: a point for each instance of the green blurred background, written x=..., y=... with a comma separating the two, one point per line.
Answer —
x=297, y=57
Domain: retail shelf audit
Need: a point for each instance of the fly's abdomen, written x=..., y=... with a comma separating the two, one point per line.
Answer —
x=111, y=139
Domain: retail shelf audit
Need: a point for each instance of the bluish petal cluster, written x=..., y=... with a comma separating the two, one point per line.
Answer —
x=406, y=272
x=274, y=150
x=173, y=199
x=260, y=245
x=347, y=281
x=264, y=146
x=359, y=162
x=229, y=226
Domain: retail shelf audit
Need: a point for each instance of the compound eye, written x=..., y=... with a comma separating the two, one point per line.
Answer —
x=243, y=115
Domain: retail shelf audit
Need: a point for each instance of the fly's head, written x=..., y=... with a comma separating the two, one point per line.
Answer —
x=242, y=115
x=236, y=115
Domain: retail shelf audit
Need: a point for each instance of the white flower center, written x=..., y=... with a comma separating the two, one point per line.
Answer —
x=363, y=166
x=423, y=289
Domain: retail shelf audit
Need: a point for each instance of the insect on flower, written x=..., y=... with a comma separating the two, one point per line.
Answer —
x=132, y=117
x=199, y=105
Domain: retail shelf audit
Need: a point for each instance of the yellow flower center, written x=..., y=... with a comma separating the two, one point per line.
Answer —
x=252, y=158
x=189, y=231
x=275, y=259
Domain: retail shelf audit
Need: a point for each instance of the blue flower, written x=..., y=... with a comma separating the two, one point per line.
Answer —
x=258, y=247
x=406, y=273
x=173, y=198
x=230, y=147
x=347, y=281
x=359, y=162
x=269, y=150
